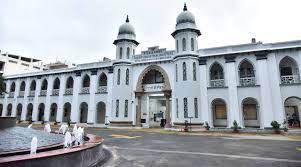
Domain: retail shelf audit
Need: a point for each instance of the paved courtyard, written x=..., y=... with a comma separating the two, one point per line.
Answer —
x=132, y=148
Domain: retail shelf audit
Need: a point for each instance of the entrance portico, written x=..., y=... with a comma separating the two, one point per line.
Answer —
x=153, y=95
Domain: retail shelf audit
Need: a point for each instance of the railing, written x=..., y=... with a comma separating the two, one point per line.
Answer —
x=248, y=81
x=85, y=90
x=11, y=94
x=43, y=92
x=2, y=95
x=69, y=91
x=102, y=89
x=21, y=93
x=55, y=92
x=31, y=93
x=290, y=79
x=217, y=83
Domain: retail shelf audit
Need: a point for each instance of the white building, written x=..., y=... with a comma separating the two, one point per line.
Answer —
x=252, y=83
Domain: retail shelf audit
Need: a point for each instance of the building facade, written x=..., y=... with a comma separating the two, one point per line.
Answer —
x=252, y=83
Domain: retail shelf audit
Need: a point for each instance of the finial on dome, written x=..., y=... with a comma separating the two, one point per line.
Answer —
x=127, y=19
x=185, y=7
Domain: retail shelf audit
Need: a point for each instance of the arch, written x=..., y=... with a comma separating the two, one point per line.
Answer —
x=184, y=71
x=184, y=44
x=19, y=111
x=127, y=76
x=194, y=76
x=41, y=111
x=103, y=81
x=192, y=44
x=69, y=82
x=22, y=86
x=9, y=109
x=127, y=52
x=33, y=85
x=67, y=112
x=53, y=112
x=120, y=53
x=293, y=111
x=86, y=81
x=3, y=88
x=246, y=73
x=29, y=112
x=118, y=77
x=101, y=112
x=216, y=73
x=177, y=46
x=56, y=83
x=219, y=112
x=83, y=108
x=250, y=112
x=1, y=109
x=44, y=84
x=12, y=87
x=289, y=71
x=166, y=87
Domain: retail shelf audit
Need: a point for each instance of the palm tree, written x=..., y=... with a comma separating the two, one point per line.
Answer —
x=2, y=85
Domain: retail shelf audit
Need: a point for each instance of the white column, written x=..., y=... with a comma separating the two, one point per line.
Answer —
x=16, y=94
x=75, y=106
x=36, y=99
x=109, y=105
x=25, y=99
x=267, y=115
x=59, y=114
x=299, y=53
x=92, y=104
x=233, y=109
x=48, y=96
x=4, y=111
x=273, y=80
x=205, y=112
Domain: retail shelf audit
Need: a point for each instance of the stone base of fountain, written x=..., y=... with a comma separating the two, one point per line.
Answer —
x=50, y=152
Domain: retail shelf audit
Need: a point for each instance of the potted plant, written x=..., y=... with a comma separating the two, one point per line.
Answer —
x=276, y=127
x=207, y=127
x=235, y=126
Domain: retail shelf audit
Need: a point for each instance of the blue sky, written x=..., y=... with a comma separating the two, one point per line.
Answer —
x=81, y=31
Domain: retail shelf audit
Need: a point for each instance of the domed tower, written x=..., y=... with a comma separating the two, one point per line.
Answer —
x=126, y=41
x=186, y=93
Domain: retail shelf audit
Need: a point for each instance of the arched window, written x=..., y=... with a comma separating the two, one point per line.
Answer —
x=216, y=75
x=22, y=86
x=133, y=51
x=120, y=53
x=56, y=84
x=177, y=46
x=153, y=77
x=192, y=44
x=9, y=109
x=184, y=72
x=176, y=72
x=44, y=85
x=127, y=76
x=102, y=80
x=126, y=108
x=185, y=107
x=194, y=71
x=177, y=107
x=246, y=73
x=289, y=71
x=117, y=108
x=12, y=87
x=86, y=81
x=69, y=83
x=196, y=110
x=33, y=85
x=128, y=53
x=219, y=110
x=118, y=77
x=184, y=44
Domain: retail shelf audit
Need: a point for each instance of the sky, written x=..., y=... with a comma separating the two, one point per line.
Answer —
x=82, y=31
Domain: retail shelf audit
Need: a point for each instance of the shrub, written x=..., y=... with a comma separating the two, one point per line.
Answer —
x=235, y=126
x=207, y=125
x=276, y=126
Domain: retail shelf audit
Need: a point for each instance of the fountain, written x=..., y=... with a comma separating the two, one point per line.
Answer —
x=21, y=146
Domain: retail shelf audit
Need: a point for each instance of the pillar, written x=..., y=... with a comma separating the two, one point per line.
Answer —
x=25, y=99
x=75, y=106
x=36, y=99
x=205, y=112
x=233, y=106
x=5, y=103
x=48, y=96
x=16, y=94
x=59, y=112
x=138, y=111
x=92, y=104
x=167, y=95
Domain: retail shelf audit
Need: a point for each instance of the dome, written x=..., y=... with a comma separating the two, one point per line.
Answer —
x=126, y=28
x=185, y=16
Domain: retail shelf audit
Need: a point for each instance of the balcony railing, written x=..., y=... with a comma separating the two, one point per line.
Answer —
x=102, y=89
x=85, y=90
x=43, y=92
x=69, y=91
x=31, y=93
x=11, y=94
x=290, y=79
x=2, y=95
x=217, y=83
x=247, y=81
x=21, y=93
x=55, y=92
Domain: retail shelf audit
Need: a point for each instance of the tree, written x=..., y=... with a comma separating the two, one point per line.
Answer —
x=2, y=85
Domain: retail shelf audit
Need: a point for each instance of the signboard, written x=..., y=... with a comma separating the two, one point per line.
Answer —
x=153, y=53
x=153, y=87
